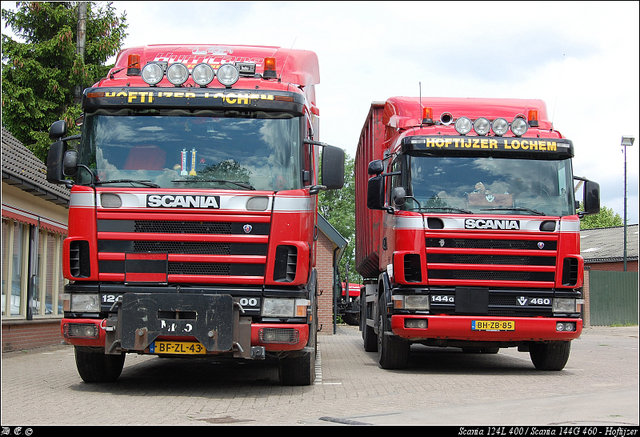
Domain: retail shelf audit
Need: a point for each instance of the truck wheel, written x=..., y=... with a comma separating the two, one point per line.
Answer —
x=368, y=334
x=298, y=370
x=393, y=352
x=550, y=356
x=95, y=366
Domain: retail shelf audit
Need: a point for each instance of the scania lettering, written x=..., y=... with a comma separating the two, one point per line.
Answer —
x=169, y=201
x=193, y=210
x=491, y=224
x=467, y=230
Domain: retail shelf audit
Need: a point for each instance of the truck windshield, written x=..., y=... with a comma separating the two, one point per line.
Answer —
x=183, y=149
x=489, y=185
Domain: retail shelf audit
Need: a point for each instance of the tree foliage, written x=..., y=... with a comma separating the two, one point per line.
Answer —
x=338, y=207
x=40, y=68
x=606, y=218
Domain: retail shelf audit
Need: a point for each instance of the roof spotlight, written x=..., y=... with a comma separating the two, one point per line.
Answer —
x=463, y=125
x=482, y=126
x=500, y=126
x=203, y=74
x=177, y=73
x=228, y=75
x=152, y=74
x=519, y=126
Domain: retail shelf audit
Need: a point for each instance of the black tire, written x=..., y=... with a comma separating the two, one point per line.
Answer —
x=95, y=366
x=297, y=370
x=550, y=356
x=300, y=369
x=368, y=334
x=393, y=352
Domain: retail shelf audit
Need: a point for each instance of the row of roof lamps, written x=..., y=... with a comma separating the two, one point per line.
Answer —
x=482, y=125
x=202, y=74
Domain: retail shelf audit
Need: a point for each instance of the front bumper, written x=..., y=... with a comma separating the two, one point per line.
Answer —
x=460, y=328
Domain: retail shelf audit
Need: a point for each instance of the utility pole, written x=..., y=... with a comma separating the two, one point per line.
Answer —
x=80, y=43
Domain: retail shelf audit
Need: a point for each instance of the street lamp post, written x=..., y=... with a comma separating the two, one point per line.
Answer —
x=627, y=141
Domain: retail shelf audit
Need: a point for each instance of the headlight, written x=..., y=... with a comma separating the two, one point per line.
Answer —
x=519, y=126
x=177, y=74
x=228, y=74
x=500, y=126
x=463, y=125
x=278, y=307
x=275, y=307
x=412, y=302
x=564, y=306
x=203, y=74
x=85, y=303
x=152, y=74
x=482, y=126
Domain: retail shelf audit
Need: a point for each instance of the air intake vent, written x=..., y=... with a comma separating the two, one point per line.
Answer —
x=570, y=271
x=285, y=264
x=79, y=263
x=412, y=271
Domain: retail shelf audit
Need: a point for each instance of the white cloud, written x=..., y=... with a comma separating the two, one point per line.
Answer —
x=581, y=58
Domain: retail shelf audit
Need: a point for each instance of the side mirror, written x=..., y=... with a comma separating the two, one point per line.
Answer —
x=399, y=196
x=375, y=193
x=375, y=167
x=54, y=162
x=332, y=167
x=591, y=197
x=57, y=130
x=70, y=163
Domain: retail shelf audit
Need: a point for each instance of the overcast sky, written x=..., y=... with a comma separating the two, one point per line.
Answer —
x=581, y=58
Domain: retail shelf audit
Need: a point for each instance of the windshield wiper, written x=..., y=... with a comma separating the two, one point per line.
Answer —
x=244, y=185
x=446, y=208
x=514, y=209
x=146, y=183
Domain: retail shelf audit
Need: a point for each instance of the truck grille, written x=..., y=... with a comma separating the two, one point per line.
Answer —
x=491, y=261
x=196, y=250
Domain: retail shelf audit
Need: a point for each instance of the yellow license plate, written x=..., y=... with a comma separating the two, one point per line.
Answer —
x=493, y=325
x=177, y=347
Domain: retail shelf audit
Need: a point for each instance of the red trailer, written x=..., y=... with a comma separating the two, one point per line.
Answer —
x=193, y=208
x=467, y=233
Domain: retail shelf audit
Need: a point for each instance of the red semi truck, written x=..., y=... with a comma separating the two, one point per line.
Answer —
x=192, y=219
x=467, y=233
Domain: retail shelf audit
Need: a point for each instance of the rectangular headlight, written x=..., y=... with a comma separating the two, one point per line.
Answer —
x=564, y=306
x=412, y=302
x=85, y=303
x=277, y=307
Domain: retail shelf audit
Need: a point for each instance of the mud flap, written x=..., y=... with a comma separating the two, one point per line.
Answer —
x=143, y=317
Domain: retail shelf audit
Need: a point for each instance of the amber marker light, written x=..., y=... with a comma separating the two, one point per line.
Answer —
x=269, y=68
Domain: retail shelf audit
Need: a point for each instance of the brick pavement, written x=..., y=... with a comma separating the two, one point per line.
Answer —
x=441, y=386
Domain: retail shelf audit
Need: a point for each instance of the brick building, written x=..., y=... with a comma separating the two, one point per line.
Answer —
x=34, y=224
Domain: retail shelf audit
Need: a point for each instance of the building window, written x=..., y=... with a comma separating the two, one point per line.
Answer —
x=31, y=285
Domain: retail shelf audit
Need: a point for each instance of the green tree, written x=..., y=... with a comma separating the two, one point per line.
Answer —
x=338, y=207
x=40, y=68
x=606, y=218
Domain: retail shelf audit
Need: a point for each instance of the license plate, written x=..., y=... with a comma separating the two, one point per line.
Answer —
x=177, y=347
x=493, y=325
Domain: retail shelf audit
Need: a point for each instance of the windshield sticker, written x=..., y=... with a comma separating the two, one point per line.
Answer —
x=150, y=96
x=511, y=144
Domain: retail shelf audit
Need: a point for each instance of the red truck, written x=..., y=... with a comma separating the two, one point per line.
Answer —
x=467, y=233
x=193, y=209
